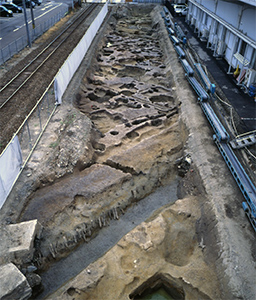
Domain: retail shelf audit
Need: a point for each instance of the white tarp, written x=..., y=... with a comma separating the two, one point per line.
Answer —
x=75, y=58
x=10, y=164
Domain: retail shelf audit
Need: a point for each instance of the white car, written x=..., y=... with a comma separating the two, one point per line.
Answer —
x=184, y=11
x=180, y=9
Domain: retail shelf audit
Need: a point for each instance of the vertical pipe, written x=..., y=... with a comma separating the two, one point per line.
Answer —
x=39, y=116
x=26, y=22
x=32, y=16
x=47, y=99
x=2, y=56
x=16, y=46
x=29, y=135
x=10, y=52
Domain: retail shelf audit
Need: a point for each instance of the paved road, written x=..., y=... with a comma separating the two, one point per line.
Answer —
x=13, y=28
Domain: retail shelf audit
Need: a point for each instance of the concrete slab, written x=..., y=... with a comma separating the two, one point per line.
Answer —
x=17, y=241
x=13, y=284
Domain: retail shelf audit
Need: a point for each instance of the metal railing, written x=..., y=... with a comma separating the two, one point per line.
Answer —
x=13, y=48
x=33, y=127
x=35, y=123
x=29, y=134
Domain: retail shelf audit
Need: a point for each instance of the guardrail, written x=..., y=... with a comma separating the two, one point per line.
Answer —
x=17, y=153
x=19, y=44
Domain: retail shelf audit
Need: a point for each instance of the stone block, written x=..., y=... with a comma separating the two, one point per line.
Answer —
x=13, y=284
x=17, y=241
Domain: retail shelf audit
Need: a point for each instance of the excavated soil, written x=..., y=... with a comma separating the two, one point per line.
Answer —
x=129, y=126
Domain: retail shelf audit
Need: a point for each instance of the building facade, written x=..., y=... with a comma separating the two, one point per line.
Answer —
x=229, y=29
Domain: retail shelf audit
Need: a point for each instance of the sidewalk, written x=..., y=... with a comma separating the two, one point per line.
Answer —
x=244, y=105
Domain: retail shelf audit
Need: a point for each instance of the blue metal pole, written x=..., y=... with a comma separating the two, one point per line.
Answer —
x=26, y=22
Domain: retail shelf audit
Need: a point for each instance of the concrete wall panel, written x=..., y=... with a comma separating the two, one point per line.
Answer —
x=228, y=11
x=248, y=23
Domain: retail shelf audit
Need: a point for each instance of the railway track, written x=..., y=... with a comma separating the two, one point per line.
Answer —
x=19, y=95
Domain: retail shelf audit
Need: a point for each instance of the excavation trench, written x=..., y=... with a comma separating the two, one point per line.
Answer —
x=116, y=161
x=107, y=237
x=132, y=141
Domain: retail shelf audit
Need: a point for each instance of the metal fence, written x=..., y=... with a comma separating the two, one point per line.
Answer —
x=19, y=150
x=19, y=44
x=34, y=125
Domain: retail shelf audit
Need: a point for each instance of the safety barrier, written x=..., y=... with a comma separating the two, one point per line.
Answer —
x=180, y=52
x=242, y=179
x=170, y=31
x=73, y=61
x=210, y=87
x=214, y=121
x=198, y=88
x=17, y=153
x=186, y=66
x=174, y=40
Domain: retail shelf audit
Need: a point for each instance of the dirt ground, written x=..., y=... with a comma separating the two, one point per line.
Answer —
x=129, y=124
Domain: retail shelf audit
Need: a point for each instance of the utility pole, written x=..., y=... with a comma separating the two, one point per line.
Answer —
x=26, y=22
x=32, y=15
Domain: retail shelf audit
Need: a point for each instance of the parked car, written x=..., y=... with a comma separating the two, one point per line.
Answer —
x=4, y=12
x=179, y=8
x=32, y=3
x=38, y=2
x=13, y=7
x=27, y=3
x=184, y=11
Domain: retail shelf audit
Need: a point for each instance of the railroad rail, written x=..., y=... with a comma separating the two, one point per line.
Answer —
x=26, y=87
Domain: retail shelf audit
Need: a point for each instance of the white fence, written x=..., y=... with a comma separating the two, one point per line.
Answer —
x=72, y=63
x=27, y=137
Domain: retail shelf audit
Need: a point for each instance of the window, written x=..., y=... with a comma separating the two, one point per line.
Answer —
x=253, y=59
x=242, y=47
x=206, y=19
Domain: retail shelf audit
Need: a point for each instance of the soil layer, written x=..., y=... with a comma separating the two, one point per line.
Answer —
x=130, y=124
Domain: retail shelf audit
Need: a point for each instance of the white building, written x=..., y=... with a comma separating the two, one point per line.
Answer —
x=229, y=28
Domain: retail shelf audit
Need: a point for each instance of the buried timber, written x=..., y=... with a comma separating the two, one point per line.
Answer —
x=121, y=143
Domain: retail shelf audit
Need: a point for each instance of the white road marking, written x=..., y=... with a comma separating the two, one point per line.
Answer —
x=38, y=16
x=47, y=6
x=48, y=11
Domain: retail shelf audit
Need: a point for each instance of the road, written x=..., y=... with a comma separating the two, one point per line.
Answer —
x=13, y=28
